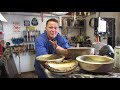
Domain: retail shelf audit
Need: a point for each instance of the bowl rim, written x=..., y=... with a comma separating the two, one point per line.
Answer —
x=62, y=57
x=109, y=62
x=72, y=48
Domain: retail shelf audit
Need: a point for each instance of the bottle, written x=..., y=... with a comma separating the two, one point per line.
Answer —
x=117, y=57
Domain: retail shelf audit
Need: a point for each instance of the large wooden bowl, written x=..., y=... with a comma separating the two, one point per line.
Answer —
x=73, y=52
x=62, y=68
x=50, y=57
x=95, y=63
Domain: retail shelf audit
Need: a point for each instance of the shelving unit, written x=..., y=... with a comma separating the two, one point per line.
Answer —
x=29, y=36
x=72, y=29
x=29, y=39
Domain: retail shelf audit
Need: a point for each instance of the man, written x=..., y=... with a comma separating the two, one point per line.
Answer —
x=50, y=42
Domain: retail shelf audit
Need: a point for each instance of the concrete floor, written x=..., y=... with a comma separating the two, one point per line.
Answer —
x=31, y=74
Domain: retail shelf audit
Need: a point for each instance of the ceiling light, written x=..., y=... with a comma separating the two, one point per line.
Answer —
x=59, y=13
x=2, y=18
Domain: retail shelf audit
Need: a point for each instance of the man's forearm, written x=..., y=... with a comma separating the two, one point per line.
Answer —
x=61, y=50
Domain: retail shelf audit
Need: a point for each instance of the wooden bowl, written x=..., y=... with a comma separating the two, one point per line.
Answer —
x=50, y=57
x=95, y=63
x=78, y=51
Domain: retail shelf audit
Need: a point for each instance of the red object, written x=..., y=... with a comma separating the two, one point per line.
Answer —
x=97, y=39
x=0, y=50
x=42, y=17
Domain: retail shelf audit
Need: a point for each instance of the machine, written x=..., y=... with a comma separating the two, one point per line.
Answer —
x=104, y=27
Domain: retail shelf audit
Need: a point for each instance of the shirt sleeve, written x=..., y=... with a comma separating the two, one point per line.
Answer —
x=65, y=43
x=39, y=47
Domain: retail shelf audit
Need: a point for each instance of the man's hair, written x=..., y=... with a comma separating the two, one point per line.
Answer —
x=52, y=19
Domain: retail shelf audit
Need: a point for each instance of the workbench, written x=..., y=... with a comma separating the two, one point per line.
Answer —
x=79, y=73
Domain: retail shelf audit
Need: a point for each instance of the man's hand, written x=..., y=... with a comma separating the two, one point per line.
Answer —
x=56, y=46
x=59, y=49
x=54, y=43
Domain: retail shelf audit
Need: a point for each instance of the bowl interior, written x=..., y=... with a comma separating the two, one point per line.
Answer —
x=95, y=59
x=50, y=57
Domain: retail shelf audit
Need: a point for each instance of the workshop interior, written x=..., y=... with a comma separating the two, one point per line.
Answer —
x=93, y=36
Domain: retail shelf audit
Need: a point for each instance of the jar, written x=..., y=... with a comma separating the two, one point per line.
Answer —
x=117, y=57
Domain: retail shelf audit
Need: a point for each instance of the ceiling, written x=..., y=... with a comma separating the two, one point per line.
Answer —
x=73, y=14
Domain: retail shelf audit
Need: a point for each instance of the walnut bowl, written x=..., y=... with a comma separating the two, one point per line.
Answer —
x=73, y=52
x=96, y=63
x=50, y=57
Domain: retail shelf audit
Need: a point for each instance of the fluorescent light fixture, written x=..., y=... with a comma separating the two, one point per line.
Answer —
x=2, y=18
x=59, y=13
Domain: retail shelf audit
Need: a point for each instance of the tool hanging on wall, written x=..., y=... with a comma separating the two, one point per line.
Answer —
x=74, y=16
x=41, y=16
x=1, y=26
x=93, y=23
x=65, y=30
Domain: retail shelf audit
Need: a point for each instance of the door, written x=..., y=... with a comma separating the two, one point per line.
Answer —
x=110, y=31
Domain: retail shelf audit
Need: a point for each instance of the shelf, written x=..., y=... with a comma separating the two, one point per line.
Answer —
x=30, y=36
x=76, y=42
x=74, y=27
x=31, y=31
x=29, y=42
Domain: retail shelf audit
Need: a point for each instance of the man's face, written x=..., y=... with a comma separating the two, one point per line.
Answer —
x=52, y=29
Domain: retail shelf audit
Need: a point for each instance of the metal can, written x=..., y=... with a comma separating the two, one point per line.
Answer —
x=117, y=57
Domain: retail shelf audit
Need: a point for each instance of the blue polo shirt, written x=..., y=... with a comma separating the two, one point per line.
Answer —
x=44, y=46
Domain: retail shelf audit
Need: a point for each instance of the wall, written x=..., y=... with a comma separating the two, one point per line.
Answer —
x=8, y=27
x=118, y=27
x=26, y=60
x=117, y=22
x=89, y=30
